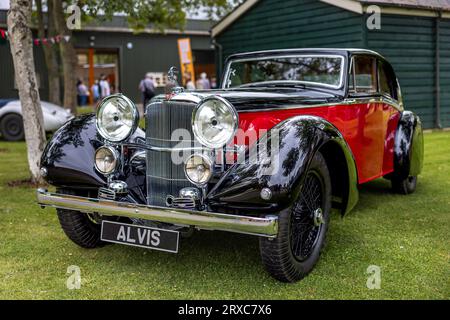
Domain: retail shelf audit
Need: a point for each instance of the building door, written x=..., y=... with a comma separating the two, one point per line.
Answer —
x=204, y=63
x=95, y=64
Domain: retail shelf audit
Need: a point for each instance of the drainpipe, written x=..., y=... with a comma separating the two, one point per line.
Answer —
x=218, y=46
x=438, y=71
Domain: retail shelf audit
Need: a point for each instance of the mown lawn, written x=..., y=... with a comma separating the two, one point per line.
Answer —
x=406, y=236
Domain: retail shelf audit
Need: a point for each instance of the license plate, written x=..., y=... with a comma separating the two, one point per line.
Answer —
x=140, y=236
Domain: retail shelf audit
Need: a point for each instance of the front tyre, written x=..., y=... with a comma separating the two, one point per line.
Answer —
x=80, y=227
x=404, y=186
x=11, y=127
x=301, y=228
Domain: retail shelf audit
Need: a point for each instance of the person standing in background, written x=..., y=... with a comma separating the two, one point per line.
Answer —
x=147, y=87
x=213, y=83
x=205, y=81
x=105, y=89
x=83, y=93
x=189, y=83
x=96, y=91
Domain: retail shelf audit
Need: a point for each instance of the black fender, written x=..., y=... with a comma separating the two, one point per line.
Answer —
x=408, y=146
x=300, y=138
x=69, y=155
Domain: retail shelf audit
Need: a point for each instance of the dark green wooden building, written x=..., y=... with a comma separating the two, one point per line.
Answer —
x=414, y=36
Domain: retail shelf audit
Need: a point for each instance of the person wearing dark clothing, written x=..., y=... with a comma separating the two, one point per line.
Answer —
x=147, y=87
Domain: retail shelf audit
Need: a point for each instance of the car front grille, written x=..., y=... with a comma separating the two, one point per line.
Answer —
x=163, y=176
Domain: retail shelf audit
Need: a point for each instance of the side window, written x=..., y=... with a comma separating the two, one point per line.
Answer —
x=363, y=77
x=387, y=81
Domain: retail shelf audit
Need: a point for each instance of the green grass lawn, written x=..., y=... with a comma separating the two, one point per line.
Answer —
x=406, y=236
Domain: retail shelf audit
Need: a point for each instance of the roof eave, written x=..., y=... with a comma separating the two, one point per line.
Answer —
x=349, y=5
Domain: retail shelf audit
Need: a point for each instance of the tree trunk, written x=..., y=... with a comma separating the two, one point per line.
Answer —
x=20, y=39
x=50, y=54
x=68, y=57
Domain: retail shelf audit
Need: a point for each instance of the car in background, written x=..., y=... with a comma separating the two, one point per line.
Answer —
x=11, y=122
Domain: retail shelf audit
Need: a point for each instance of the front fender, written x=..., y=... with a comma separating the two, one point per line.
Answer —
x=69, y=155
x=299, y=139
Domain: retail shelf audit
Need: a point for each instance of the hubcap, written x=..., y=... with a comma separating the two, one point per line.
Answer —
x=307, y=218
x=13, y=128
x=318, y=217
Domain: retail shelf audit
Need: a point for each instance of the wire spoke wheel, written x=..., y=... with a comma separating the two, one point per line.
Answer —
x=306, y=218
x=302, y=227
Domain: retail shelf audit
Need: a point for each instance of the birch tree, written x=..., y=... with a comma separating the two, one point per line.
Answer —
x=20, y=39
x=50, y=53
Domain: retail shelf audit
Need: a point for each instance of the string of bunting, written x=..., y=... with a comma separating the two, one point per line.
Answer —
x=44, y=41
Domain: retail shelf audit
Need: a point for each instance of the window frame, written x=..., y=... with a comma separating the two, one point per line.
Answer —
x=391, y=76
x=225, y=84
x=352, y=92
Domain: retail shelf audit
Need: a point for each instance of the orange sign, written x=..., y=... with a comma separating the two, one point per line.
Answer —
x=186, y=63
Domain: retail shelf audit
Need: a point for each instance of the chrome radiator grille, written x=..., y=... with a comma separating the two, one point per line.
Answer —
x=163, y=176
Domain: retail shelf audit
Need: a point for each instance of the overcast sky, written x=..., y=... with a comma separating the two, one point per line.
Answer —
x=4, y=4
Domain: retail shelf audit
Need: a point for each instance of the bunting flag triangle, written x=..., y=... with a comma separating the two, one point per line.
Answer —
x=38, y=41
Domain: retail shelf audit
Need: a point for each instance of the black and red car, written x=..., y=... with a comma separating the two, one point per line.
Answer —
x=285, y=141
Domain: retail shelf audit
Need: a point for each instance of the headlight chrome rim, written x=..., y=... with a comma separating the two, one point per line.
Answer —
x=115, y=155
x=135, y=117
x=195, y=129
x=207, y=160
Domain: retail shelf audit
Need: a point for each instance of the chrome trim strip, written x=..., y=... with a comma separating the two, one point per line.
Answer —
x=350, y=101
x=167, y=179
x=297, y=106
x=164, y=149
x=265, y=227
x=341, y=76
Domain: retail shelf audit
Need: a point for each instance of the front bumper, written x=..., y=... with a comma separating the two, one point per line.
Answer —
x=266, y=227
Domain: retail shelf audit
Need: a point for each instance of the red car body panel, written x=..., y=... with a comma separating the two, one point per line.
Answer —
x=369, y=130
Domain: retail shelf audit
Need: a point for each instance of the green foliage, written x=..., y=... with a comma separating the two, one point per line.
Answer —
x=407, y=236
x=159, y=13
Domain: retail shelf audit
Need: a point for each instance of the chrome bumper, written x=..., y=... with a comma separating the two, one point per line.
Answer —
x=266, y=227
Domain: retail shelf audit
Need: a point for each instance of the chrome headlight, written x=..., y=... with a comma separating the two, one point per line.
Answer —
x=106, y=160
x=198, y=169
x=214, y=122
x=117, y=118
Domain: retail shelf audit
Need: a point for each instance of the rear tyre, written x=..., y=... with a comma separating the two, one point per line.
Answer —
x=11, y=127
x=302, y=228
x=404, y=186
x=80, y=227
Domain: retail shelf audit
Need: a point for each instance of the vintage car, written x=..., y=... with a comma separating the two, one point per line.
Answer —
x=288, y=139
x=11, y=122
